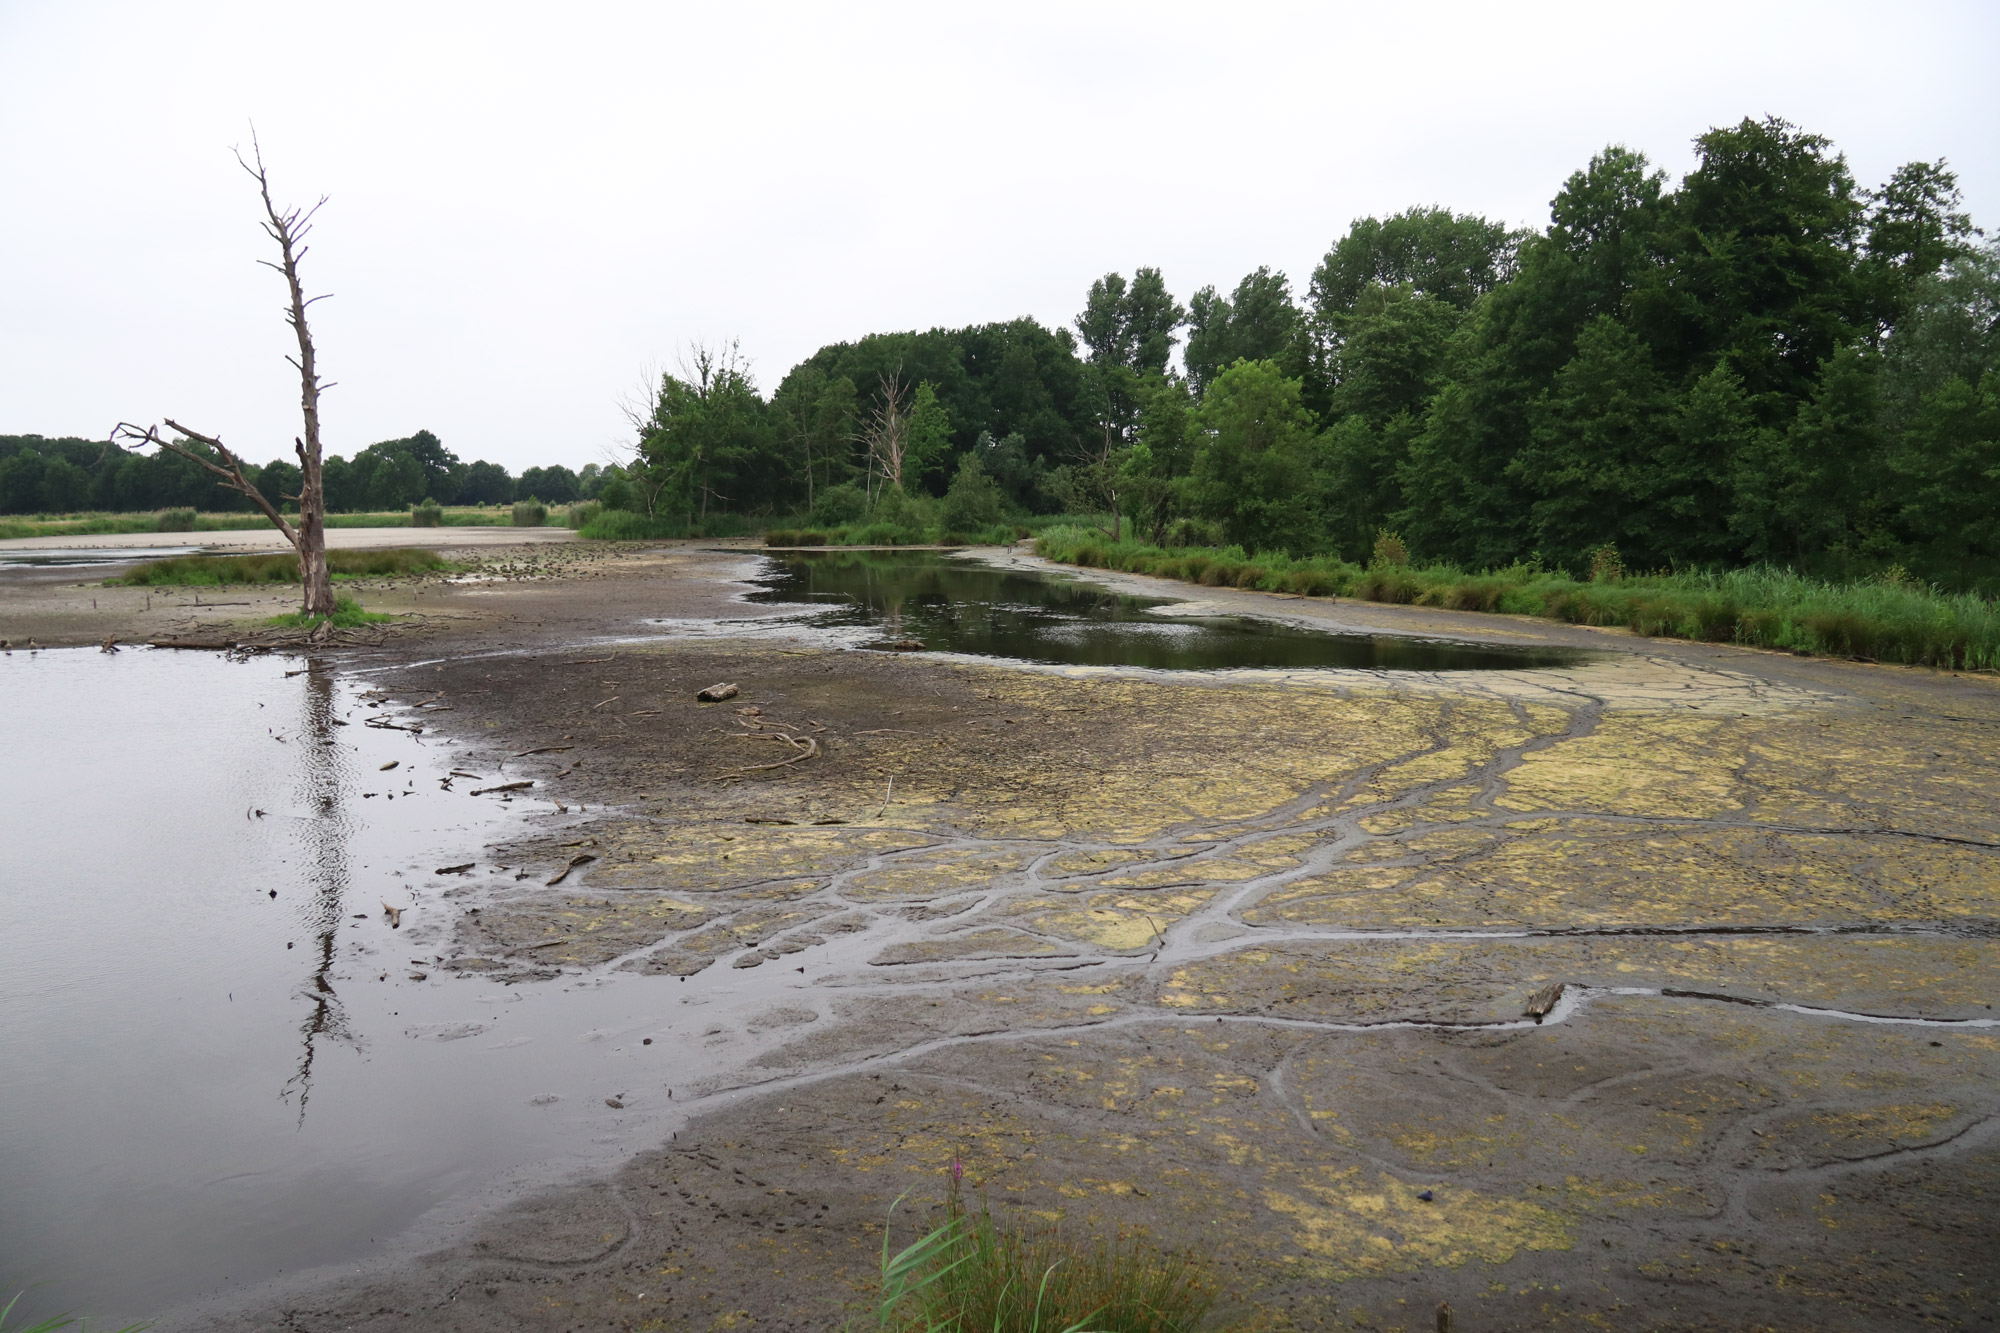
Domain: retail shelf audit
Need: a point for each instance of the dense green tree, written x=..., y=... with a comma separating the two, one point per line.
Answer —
x=555, y=484
x=1131, y=325
x=1592, y=467
x=484, y=483
x=1803, y=492
x=1257, y=322
x=707, y=441
x=1252, y=468
x=1949, y=464
x=1394, y=354
x=1759, y=245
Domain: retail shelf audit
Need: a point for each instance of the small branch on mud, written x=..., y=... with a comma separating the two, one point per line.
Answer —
x=545, y=944
x=454, y=870
x=507, y=786
x=581, y=858
x=584, y=661
x=889, y=792
x=546, y=749
x=808, y=749
x=612, y=700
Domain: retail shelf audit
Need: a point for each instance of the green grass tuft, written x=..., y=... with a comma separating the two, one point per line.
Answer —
x=206, y=571
x=973, y=1274
x=347, y=614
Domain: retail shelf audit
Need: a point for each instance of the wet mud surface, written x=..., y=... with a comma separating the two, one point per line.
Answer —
x=1241, y=960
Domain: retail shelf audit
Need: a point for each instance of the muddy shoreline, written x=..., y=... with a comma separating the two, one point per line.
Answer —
x=1239, y=960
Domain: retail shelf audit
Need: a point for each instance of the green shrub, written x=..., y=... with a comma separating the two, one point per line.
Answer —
x=794, y=537
x=1389, y=553
x=1194, y=532
x=622, y=525
x=175, y=520
x=581, y=514
x=347, y=614
x=1606, y=566
x=425, y=515
x=618, y=493
x=838, y=506
x=530, y=513
x=975, y=499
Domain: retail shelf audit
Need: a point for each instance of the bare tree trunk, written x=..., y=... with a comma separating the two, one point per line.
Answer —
x=887, y=435
x=308, y=539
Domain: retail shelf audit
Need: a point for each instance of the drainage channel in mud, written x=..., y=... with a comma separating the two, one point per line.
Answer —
x=221, y=1062
x=953, y=604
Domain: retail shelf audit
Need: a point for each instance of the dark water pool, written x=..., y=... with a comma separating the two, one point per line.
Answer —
x=952, y=604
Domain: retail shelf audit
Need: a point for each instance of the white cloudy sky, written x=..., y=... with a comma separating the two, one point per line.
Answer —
x=532, y=203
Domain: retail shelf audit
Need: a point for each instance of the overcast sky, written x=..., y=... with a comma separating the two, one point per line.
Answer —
x=531, y=204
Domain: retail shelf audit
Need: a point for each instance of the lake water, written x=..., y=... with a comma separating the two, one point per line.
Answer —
x=217, y=1065
x=958, y=605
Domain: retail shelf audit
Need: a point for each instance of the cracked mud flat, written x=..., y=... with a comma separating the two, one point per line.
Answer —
x=1241, y=961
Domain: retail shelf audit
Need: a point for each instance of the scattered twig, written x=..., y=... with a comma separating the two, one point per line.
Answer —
x=506, y=786
x=395, y=915
x=546, y=749
x=454, y=870
x=891, y=791
x=581, y=858
x=585, y=661
x=810, y=750
x=612, y=700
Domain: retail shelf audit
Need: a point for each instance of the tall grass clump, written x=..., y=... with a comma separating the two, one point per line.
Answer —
x=207, y=571
x=426, y=515
x=347, y=614
x=530, y=513
x=175, y=520
x=973, y=1275
x=1889, y=618
x=583, y=513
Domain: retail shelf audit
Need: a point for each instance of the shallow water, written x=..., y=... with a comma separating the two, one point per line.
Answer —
x=206, y=1084
x=952, y=604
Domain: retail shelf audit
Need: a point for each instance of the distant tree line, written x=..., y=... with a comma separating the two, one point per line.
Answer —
x=1765, y=362
x=40, y=476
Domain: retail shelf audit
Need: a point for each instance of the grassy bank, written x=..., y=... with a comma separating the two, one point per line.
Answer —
x=1882, y=620
x=187, y=520
x=205, y=571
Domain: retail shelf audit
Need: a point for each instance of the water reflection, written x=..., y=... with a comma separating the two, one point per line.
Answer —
x=322, y=783
x=952, y=604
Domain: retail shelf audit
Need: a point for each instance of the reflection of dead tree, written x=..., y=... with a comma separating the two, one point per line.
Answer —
x=289, y=229
x=326, y=832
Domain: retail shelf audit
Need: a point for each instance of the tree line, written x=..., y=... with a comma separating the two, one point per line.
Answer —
x=1764, y=362
x=55, y=476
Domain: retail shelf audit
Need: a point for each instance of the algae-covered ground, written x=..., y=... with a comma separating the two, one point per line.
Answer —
x=1241, y=961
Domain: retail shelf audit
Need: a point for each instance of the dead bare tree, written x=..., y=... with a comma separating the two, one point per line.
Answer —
x=308, y=537
x=887, y=432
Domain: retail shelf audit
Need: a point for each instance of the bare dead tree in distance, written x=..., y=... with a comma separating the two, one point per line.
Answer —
x=289, y=229
x=887, y=432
